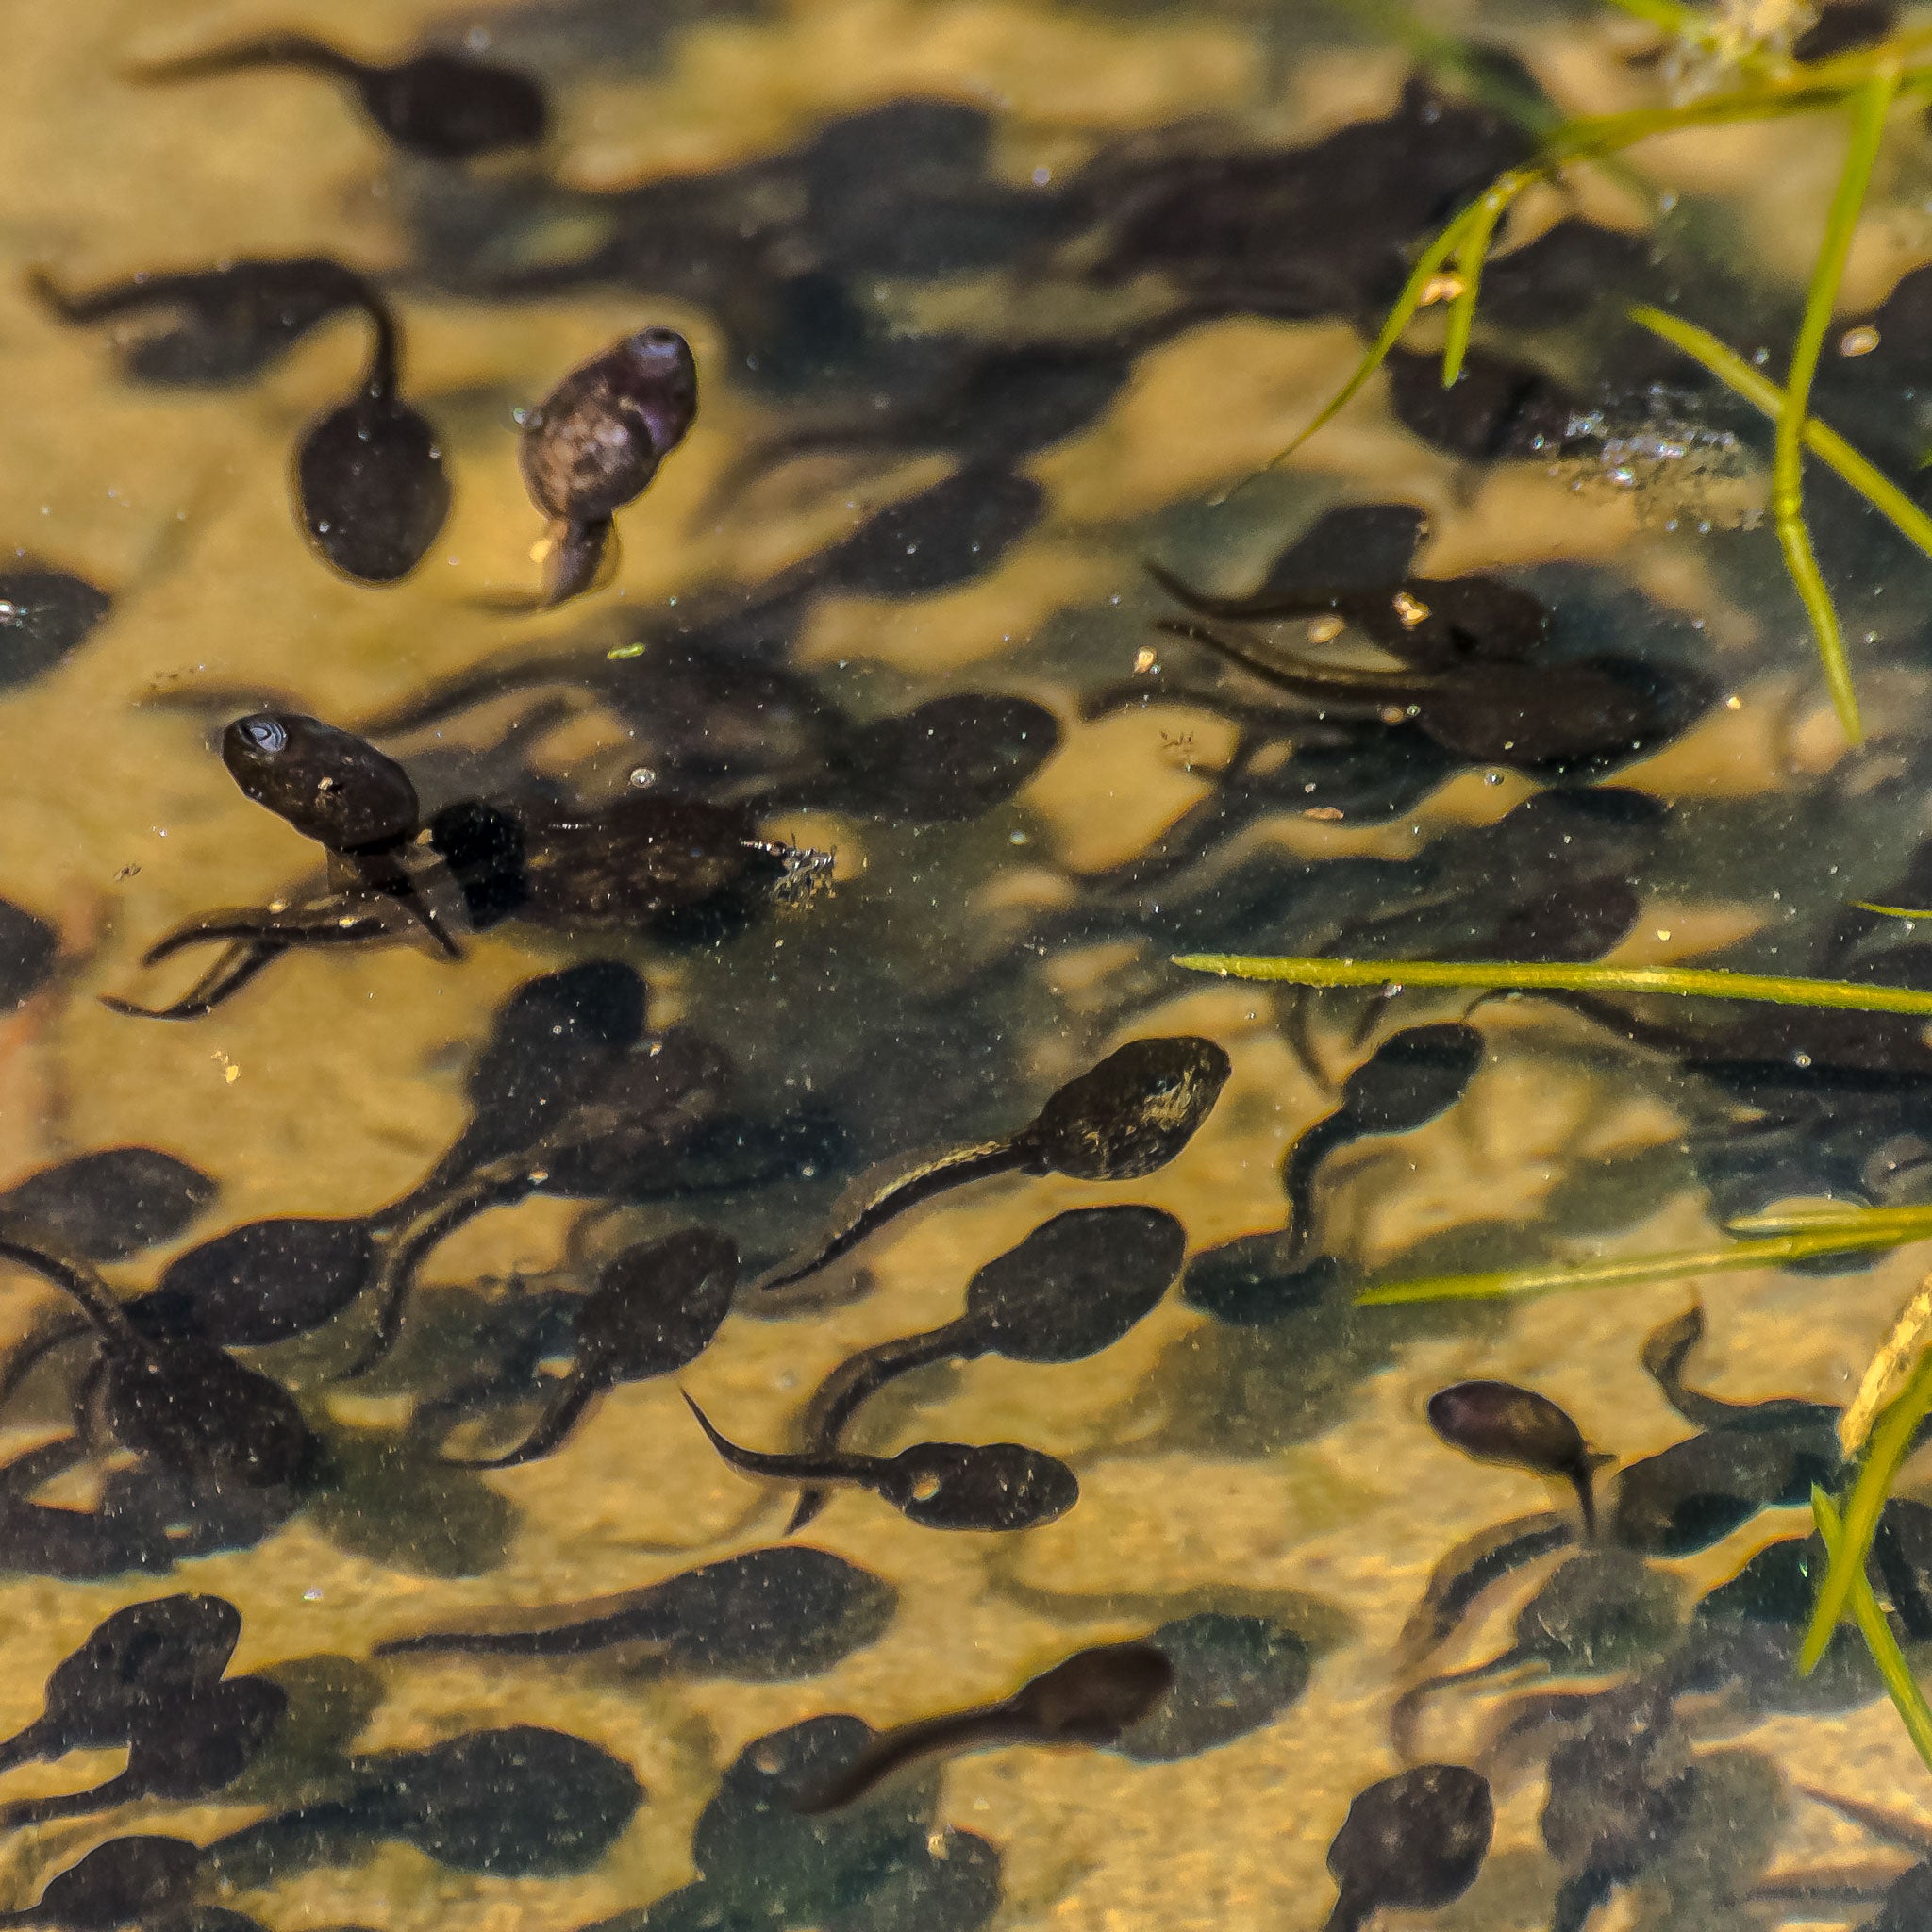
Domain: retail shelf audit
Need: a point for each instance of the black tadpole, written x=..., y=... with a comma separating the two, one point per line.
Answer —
x=596, y=441
x=1497, y=1421
x=937, y=1485
x=370, y=486
x=1074, y=1286
x=128, y=1676
x=1414, y=1841
x=447, y=107
x=126, y=1881
x=1119, y=1120
x=183, y=1401
x=1089, y=1698
x=1411, y=1078
x=654, y=1311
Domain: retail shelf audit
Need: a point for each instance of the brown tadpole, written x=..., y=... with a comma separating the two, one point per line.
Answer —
x=596, y=441
x=448, y=107
x=993, y=1486
x=1497, y=1421
x=1090, y=1698
x=1412, y=1842
x=1121, y=1120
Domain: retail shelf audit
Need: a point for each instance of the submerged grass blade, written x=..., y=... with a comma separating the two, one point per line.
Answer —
x=1509, y=976
x=1826, y=444
x=1890, y=1439
x=1471, y=253
x=1894, y=1671
x=1869, y=106
x=1428, y=266
x=1892, y=911
x=1640, y=1272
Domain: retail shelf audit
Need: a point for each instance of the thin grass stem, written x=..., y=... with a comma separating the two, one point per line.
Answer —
x=1896, y=1674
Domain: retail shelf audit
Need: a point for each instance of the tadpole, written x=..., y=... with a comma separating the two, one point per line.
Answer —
x=1497, y=1421
x=1074, y=1286
x=1413, y=1843
x=767, y=1615
x=183, y=1401
x=596, y=441
x=43, y=615
x=447, y=107
x=1092, y=1698
x=523, y=1800
x=232, y=321
x=128, y=1676
x=1121, y=1120
x=263, y=1282
x=937, y=1485
x=112, y=1202
x=201, y=1744
x=654, y=1311
x=125, y=1881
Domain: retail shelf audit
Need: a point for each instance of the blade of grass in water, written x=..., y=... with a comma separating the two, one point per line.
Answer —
x=1869, y=106
x=1507, y=976
x=1640, y=1272
x=1891, y=1440
x=1471, y=252
x=1892, y=911
x=1826, y=444
x=1892, y=1668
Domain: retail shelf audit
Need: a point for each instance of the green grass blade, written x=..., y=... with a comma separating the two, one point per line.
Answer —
x=1428, y=266
x=1642, y=1271
x=1891, y=1437
x=1869, y=106
x=1471, y=253
x=1826, y=1215
x=1892, y=1668
x=1826, y=444
x=1892, y=911
x=1509, y=976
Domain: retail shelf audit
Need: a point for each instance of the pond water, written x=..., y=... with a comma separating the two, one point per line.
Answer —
x=609, y=1189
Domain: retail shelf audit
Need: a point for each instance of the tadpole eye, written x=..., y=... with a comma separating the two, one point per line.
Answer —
x=262, y=733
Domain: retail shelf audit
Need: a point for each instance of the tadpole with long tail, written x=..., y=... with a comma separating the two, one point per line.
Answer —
x=1121, y=1120
x=200, y=1746
x=447, y=107
x=183, y=1401
x=767, y=1615
x=654, y=1311
x=1411, y=1077
x=937, y=1485
x=523, y=1801
x=1074, y=1286
x=130, y=1674
x=1497, y=1421
x=140, y=1881
x=1092, y=1698
x=595, y=441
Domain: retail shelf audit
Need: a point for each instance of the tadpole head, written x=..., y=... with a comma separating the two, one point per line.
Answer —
x=122, y=1882
x=1077, y=1283
x=260, y=1283
x=1415, y=1841
x=1497, y=1421
x=451, y=107
x=979, y=1486
x=330, y=785
x=1413, y=1077
x=596, y=441
x=197, y=1408
x=135, y=1664
x=1095, y=1695
x=656, y=1306
x=370, y=487
x=1131, y=1114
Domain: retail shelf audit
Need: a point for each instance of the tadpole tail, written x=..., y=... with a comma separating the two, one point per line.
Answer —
x=1352, y=686
x=1300, y=1168
x=855, y=1381
x=268, y=50
x=34, y=1350
x=479, y=685
x=26, y=1747
x=119, y=1790
x=577, y=556
x=781, y=1468
x=1205, y=605
x=565, y=1410
x=898, y=1748
x=1584, y=1478
x=221, y=981
x=640, y=1624
x=948, y=1170
x=74, y=1278
x=295, y=925
x=1350, y=1914
x=1889, y=1828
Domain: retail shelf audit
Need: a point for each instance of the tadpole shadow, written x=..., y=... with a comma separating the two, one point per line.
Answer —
x=395, y=1502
